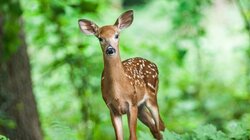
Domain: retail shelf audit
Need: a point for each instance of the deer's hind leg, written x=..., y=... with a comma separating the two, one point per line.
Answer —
x=153, y=108
x=146, y=117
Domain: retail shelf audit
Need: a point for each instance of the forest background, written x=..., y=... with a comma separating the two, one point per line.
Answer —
x=50, y=72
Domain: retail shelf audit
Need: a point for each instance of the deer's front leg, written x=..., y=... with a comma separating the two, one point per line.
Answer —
x=117, y=124
x=132, y=120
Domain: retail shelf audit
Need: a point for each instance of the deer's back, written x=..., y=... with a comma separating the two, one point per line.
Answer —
x=141, y=72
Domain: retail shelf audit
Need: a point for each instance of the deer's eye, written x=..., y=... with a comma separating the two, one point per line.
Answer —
x=116, y=36
x=100, y=39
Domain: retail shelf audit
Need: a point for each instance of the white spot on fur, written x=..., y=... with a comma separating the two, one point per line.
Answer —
x=153, y=121
x=151, y=86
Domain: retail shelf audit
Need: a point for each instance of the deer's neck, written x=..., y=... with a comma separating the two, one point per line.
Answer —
x=113, y=69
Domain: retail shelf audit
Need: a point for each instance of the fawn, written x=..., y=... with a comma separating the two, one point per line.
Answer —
x=130, y=86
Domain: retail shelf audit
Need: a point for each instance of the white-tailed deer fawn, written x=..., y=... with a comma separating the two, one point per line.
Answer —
x=130, y=86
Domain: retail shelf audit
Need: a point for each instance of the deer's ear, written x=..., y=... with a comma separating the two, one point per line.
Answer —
x=88, y=27
x=125, y=20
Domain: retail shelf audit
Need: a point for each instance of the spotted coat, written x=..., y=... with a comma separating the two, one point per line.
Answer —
x=141, y=72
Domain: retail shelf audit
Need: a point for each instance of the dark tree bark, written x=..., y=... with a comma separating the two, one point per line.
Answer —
x=18, y=113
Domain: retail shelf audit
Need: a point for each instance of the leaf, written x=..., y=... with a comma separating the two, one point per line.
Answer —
x=3, y=137
x=238, y=131
x=209, y=132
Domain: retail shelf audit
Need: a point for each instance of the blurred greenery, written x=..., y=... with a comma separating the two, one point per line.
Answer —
x=3, y=137
x=12, y=23
x=200, y=46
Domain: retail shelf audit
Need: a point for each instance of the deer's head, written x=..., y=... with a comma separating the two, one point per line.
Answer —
x=108, y=35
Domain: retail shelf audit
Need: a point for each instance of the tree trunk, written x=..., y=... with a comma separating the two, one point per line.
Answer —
x=18, y=112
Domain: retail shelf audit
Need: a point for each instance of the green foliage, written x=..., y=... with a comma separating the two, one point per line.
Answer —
x=3, y=137
x=209, y=132
x=206, y=132
x=10, y=11
x=7, y=122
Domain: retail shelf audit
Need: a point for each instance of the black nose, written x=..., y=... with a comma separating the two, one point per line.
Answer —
x=110, y=50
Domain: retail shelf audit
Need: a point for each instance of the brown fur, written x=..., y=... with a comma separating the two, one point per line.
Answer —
x=107, y=31
x=128, y=87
